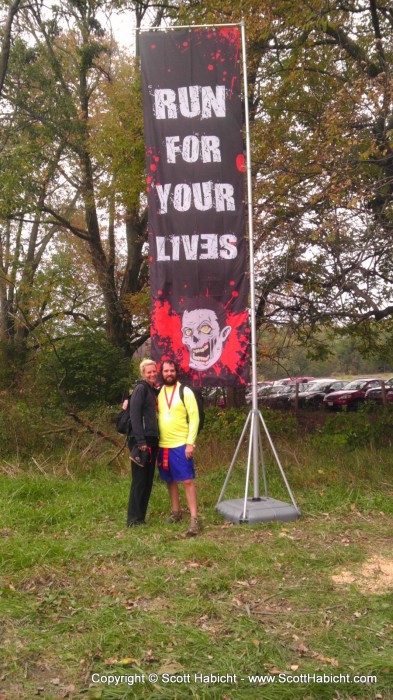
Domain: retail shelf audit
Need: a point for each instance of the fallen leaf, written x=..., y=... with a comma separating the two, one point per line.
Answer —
x=127, y=661
x=170, y=667
x=237, y=601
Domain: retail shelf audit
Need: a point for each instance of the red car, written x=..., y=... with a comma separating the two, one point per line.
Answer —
x=352, y=396
x=376, y=394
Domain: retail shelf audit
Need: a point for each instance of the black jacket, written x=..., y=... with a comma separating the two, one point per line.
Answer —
x=143, y=411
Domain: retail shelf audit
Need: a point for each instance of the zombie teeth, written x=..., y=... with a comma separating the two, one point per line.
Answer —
x=201, y=354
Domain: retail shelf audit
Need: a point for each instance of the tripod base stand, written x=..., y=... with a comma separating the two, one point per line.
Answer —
x=257, y=511
x=259, y=508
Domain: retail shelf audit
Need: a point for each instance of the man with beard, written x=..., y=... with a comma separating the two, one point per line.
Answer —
x=178, y=428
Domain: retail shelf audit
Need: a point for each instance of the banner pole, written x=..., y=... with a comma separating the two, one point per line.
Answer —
x=185, y=26
x=255, y=433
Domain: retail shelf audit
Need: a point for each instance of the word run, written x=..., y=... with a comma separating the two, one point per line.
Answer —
x=207, y=246
x=192, y=101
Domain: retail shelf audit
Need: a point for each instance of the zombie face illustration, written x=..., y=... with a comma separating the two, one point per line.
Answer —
x=203, y=337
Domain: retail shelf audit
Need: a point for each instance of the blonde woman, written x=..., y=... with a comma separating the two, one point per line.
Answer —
x=142, y=442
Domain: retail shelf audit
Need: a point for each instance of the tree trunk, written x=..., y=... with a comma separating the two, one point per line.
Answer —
x=236, y=397
x=5, y=49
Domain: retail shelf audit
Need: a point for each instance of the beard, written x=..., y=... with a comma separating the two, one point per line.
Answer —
x=169, y=381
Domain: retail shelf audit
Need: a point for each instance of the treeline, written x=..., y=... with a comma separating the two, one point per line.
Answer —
x=338, y=355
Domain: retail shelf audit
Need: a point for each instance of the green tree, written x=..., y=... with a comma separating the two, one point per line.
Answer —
x=322, y=125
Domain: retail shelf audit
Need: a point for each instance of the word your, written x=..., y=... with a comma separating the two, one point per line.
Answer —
x=207, y=246
x=203, y=195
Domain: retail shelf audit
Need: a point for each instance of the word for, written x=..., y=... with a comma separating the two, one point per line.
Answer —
x=202, y=195
x=207, y=148
x=207, y=246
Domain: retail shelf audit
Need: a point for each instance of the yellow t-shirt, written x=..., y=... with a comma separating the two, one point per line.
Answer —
x=177, y=426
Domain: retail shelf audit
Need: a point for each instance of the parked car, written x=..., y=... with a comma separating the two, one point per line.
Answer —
x=352, y=396
x=261, y=387
x=214, y=396
x=376, y=393
x=303, y=380
x=270, y=392
x=283, y=398
x=315, y=391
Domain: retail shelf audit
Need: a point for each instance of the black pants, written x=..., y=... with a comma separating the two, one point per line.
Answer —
x=141, y=484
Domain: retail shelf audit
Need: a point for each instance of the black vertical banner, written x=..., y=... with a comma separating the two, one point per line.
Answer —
x=195, y=187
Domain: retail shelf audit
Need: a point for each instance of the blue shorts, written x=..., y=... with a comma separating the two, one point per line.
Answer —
x=179, y=467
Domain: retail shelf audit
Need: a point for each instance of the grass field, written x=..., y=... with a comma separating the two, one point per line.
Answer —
x=91, y=609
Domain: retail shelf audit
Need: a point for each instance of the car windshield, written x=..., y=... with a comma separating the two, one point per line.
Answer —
x=316, y=386
x=356, y=384
x=389, y=382
x=287, y=389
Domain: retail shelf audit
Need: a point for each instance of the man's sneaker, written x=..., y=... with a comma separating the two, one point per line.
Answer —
x=193, y=530
x=175, y=517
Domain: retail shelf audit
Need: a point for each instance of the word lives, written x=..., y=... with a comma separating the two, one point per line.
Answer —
x=206, y=246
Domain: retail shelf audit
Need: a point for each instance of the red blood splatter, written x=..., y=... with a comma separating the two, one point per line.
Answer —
x=166, y=330
x=235, y=294
x=240, y=163
x=232, y=283
x=151, y=258
x=210, y=67
x=185, y=43
x=149, y=179
x=157, y=159
x=153, y=46
x=231, y=34
x=160, y=292
x=153, y=167
x=234, y=347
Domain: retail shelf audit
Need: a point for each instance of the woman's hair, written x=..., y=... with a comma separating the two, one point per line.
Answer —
x=144, y=364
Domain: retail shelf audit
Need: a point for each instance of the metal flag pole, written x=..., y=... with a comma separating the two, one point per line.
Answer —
x=257, y=509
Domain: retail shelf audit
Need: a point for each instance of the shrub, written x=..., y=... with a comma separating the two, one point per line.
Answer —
x=229, y=423
x=361, y=429
x=89, y=369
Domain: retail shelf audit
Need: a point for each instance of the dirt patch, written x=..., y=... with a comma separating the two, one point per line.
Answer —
x=375, y=576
